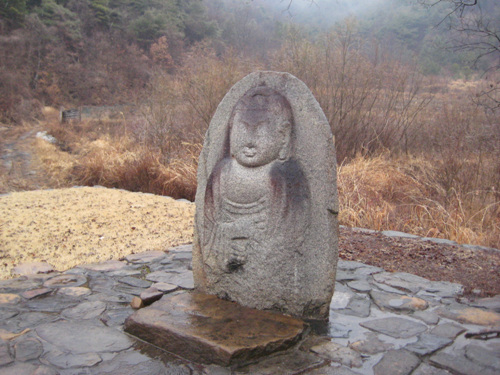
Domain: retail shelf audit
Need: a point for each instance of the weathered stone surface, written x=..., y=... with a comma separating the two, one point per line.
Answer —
x=426, y=316
x=483, y=356
x=165, y=287
x=333, y=370
x=362, y=286
x=428, y=344
x=74, y=291
x=69, y=360
x=29, y=294
x=372, y=345
x=145, y=257
x=32, y=268
x=402, y=280
x=27, y=348
x=396, y=302
x=150, y=295
x=338, y=353
x=357, y=306
x=136, y=282
x=266, y=206
x=85, y=310
x=460, y=365
x=399, y=328
x=65, y=280
x=19, y=369
x=19, y=284
x=471, y=315
x=396, y=362
x=206, y=329
x=394, y=233
x=110, y=265
x=425, y=369
x=338, y=330
x=137, y=303
x=135, y=363
x=5, y=356
x=26, y=320
x=9, y=299
x=8, y=313
x=84, y=337
x=448, y=330
x=285, y=364
x=491, y=303
x=183, y=279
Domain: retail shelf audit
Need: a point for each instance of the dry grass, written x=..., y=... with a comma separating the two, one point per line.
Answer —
x=405, y=194
x=426, y=168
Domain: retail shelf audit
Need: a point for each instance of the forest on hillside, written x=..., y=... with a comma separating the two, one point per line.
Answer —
x=74, y=52
x=411, y=89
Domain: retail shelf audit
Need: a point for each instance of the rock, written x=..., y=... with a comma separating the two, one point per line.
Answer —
x=393, y=233
x=459, y=365
x=402, y=280
x=29, y=294
x=9, y=299
x=206, y=329
x=5, y=356
x=426, y=316
x=290, y=363
x=266, y=212
x=491, y=303
x=69, y=360
x=425, y=369
x=447, y=330
x=27, y=348
x=333, y=370
x=134, y=363
x=74, y=291
x=398, y=328
x=396, y=302
x=357, y=306
x=338, y=353
x=19, y=369
x=428, y=344
x=470, y=315
x=396, y=362
x=372, y=345
x=110, y=265
x=145, y=257
x=183, y=280
x=137, y=303
x=362, y=286
x=165, y=287
x=483, y=356
x=85, y=310
x=65, y=280
x=134, y=281
x=83, y=337
x=32, y=268
x=150, y=295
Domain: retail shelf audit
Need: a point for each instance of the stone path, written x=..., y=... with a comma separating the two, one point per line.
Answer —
x=380, y=323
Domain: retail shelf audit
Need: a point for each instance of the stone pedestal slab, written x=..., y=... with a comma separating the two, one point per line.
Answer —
x=206, y=329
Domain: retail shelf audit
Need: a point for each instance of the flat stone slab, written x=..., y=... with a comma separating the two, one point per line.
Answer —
x=398, y=328
x=206, y=329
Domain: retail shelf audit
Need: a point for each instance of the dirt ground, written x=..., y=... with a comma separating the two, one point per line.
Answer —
x=67, y=227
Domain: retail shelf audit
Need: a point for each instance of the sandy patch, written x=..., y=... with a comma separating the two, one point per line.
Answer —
x=68, y=227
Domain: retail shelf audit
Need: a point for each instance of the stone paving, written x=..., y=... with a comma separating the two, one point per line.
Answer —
x=380, y=323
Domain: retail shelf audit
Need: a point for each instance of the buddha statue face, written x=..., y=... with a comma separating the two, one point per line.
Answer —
x=260, y=129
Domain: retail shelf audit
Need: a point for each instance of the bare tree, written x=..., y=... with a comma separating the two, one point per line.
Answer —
x=475, y=26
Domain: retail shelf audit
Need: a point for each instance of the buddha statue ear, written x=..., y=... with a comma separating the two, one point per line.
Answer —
x=285, y=130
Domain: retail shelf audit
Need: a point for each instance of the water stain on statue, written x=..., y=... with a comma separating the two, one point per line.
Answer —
x=257, y=192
